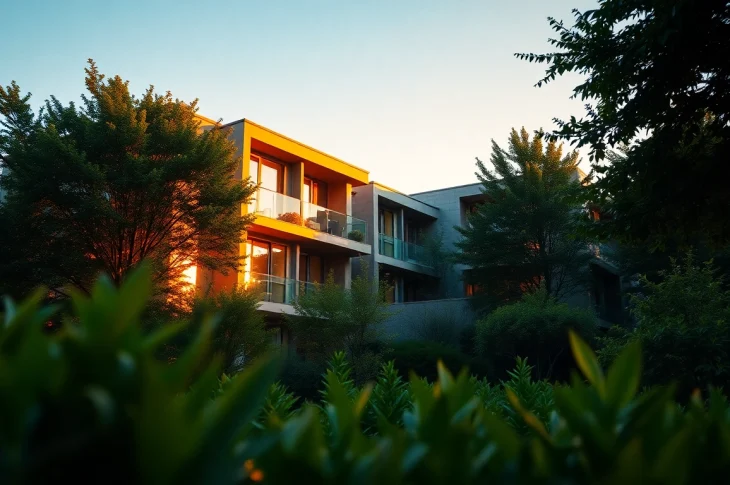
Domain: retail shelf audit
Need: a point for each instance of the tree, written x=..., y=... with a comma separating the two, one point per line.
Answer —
x=524, y=236
x=683, y=324
x=331, y=317
x=660, y=69
x=121, y=179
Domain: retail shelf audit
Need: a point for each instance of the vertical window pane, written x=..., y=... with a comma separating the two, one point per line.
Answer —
x=302, y=267
x=388, y=223
x=307, y=191
x=278, y=260
x=316, y=272
x=253, y=170
x=259, y=257
x=270, y=174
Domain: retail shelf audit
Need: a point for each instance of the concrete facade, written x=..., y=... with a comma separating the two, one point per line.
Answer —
x=398, y=226
x=453, y=204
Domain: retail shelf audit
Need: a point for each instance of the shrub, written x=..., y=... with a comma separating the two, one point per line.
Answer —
x=240, y=335
x=535, y=328
x=356, y=235
x=683, y=324
x=421, y=357
x=91, y=403
x=303, y=377
x=331, y=318
x=291, y=217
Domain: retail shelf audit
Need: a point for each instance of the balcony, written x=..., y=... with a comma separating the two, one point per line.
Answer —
x=275, y=289
x=282, y=207
x=404, y=251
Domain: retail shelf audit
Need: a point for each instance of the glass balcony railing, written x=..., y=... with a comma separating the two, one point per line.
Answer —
x=271, y=288
x=404, y=251
x=272, y=204
x=276, y=289
x=332, y=222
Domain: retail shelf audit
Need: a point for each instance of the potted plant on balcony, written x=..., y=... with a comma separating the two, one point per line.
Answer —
x=356, y=235
x=291, y=217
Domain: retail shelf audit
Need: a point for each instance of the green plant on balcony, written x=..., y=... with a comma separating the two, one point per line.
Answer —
x=292, y=218
x=356, y=235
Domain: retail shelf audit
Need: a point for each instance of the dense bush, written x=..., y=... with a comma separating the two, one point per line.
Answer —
x=421, y=357
x=535, y=328
x=329, y=318
x=240, y=335
x=92, y=403
x=683, y=324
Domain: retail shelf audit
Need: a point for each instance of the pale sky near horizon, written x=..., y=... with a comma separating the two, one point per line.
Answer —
x=411, y=90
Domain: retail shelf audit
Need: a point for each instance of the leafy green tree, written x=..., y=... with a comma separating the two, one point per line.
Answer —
x=524, y=236
x=120, y=179
x=535, y=328
x=660, y=69
x=683, y=325
x=331, y=317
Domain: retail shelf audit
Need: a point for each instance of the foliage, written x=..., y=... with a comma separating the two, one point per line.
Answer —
x=435, y=253
x=683, y=324
x=101, y=187
x=92, y=399
x=291, y=217
x=240, y=335
x=659, y=69
x=356, y=235
x=524, y=236
x=390, y=398
x=421, y=357
x=535, y=328
x=534, y=396
x=303, y=377
x=331, y=317
x=280, y=405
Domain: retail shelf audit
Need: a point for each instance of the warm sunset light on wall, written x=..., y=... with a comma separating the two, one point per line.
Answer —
x=190, y=275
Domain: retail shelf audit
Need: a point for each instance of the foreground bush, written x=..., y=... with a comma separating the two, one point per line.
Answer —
x=92, y=403
x=535, y=328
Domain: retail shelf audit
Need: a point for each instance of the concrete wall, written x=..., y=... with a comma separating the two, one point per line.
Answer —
x=451, y=214
x=416, y=320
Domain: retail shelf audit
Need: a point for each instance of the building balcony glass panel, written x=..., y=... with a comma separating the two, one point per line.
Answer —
x=272, y=204
x=404, y=251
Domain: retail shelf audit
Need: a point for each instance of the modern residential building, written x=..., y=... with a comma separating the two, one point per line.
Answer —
x=399, y=228
x=304, y=227
x=317, y=214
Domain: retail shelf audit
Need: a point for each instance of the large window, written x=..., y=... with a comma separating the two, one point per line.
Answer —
x=311, y=268
x=269, y=174
x=315, y=192
x=265, y=268
x=386, y=228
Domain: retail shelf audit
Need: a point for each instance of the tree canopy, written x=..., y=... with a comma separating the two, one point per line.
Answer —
x=659, y=70
x=120, y=179
x=525, y=235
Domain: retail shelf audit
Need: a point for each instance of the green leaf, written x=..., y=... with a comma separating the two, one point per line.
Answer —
x=588, y=363
x=624, y=376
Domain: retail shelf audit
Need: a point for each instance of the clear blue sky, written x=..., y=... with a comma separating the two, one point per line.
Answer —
x=411, y=90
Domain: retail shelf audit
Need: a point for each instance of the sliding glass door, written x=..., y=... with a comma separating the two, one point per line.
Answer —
x=265, y=268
